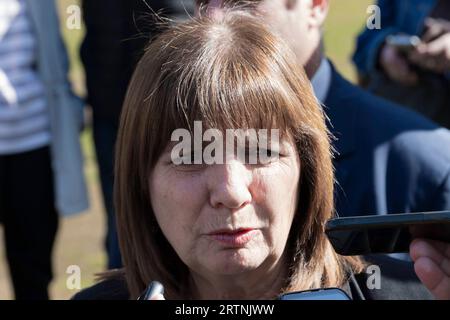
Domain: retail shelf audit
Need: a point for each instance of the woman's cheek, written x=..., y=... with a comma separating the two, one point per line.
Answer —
x=184, y=197
x=279, y=188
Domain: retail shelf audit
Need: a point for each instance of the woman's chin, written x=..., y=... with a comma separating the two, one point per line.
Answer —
x=234, y=261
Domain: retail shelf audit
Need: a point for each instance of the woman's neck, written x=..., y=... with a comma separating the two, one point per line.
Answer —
x=266, y=282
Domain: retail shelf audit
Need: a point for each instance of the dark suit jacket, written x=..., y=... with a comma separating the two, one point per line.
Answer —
x=397, y=282
x=389, y=159
x=116, y=34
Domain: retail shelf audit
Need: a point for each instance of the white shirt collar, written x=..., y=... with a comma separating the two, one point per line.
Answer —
x=321, y=80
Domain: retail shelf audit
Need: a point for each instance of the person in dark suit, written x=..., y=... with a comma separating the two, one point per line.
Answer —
x=417, y=78
x=109, y=52
x=388, y=159
x=116, y=33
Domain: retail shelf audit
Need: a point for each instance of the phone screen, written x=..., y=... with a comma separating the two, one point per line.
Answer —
x=403, y=43
x=322, y=294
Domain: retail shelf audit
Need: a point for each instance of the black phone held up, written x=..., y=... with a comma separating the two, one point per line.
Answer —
x=403, y=43
x=391, y=233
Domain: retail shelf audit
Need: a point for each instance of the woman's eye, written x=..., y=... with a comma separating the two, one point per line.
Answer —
x=186, y=163
x=188, y=167
x=256, y=156
x=183, y=159
x=270, y=153
x=267, y=156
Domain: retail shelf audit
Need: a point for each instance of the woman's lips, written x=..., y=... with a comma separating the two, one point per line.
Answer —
x=233, y=238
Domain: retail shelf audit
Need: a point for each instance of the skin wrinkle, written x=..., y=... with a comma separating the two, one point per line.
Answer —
x=243, y=190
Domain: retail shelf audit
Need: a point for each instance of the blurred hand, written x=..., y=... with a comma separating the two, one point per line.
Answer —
x=433, y=56
x=397, y=67
x=432, y=266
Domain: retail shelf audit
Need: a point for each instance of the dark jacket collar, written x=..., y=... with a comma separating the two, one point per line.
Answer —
x=341, y=111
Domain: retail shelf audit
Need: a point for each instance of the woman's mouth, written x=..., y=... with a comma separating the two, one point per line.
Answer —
x=234, y=238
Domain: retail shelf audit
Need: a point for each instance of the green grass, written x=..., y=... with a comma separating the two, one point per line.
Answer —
x=345, y=20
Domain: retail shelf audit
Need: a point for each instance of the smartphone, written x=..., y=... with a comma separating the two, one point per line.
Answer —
x=403, y=43
x=319, y=294
x=391, y=233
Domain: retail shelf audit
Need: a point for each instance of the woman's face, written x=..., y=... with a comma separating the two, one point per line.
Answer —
x=226, y=219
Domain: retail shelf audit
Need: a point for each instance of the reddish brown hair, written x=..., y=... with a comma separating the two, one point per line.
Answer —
x=229, y=72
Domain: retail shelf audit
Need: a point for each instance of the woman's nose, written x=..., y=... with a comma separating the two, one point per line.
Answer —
x=229, y=185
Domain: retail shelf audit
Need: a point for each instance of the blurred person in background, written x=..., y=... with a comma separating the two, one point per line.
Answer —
x=389, y=160
x=116, y=33
x=418, y=78
x=41, y=170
